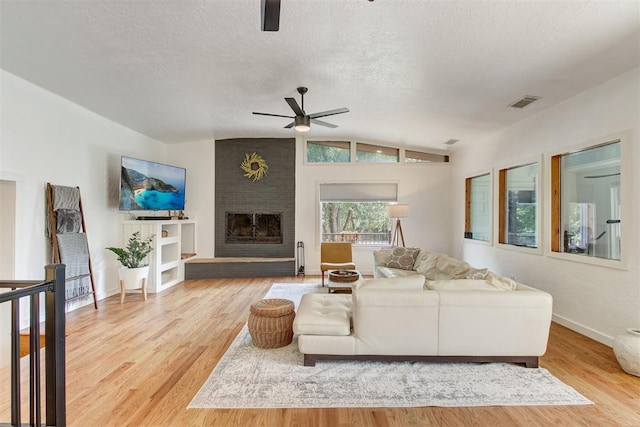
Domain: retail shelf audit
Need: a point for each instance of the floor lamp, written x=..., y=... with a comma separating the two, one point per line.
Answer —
x=398, y=211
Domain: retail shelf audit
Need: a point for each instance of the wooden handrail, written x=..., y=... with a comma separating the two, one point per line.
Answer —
x=55, y=380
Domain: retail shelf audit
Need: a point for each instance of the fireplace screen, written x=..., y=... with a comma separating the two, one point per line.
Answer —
x=253, y=228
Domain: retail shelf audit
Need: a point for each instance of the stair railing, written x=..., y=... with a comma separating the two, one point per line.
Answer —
x=55, y=380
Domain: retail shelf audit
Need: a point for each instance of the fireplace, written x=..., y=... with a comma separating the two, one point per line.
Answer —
x=253, y=228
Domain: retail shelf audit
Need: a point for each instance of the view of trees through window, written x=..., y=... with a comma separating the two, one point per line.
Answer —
x=368, y=153
x=362, y=223
x=521, y=205
x=328, y=152
x=340, y=152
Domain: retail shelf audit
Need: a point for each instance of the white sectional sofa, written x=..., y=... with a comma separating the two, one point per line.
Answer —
x=410, y=318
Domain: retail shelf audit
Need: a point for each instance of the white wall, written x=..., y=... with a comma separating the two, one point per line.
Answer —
x=7, y=242
x=597, y=301
x=425, y=187
x=199, y=159
x=46, y=138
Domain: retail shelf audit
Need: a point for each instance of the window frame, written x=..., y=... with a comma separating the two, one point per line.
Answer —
x=319, y=202
x=353, y=156
x=553, y=198
x=467, y=207
x=306, y=151
x=437, y=157
x=381, y=149
x=500, y=207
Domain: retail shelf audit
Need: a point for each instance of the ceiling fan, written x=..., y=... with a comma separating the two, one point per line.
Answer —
x=302, y=121
x=270, y=14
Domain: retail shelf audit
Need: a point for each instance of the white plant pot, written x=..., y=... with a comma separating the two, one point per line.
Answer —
x=133, y=277
x=626, y=347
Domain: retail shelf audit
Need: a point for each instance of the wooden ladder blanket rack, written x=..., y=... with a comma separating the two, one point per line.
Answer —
x=69, y=245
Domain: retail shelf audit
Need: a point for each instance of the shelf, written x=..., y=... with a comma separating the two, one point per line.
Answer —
x=169, y=276
x=169, y=265
x=169, y=252
x=175, y=243
x=169, y=240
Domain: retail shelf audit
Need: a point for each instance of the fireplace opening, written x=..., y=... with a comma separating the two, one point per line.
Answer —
x=253, y=228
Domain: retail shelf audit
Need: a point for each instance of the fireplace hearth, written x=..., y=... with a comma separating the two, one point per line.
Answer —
x=253, y=227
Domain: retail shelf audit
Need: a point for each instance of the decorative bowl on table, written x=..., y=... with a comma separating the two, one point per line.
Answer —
x=343, y=276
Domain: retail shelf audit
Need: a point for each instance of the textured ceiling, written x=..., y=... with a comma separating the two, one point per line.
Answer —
x=411, y=72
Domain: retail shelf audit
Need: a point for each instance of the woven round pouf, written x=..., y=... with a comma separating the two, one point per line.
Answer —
x=271, y=323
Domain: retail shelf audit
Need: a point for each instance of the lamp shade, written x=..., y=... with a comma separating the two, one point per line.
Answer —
x=398, y=211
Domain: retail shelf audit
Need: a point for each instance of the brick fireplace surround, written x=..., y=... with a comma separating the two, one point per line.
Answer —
x=234, y=193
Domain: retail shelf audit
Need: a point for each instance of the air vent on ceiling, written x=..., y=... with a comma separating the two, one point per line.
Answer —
x=451, y=141
x=521, y=103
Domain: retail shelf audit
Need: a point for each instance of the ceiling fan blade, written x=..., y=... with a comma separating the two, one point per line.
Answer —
x=273, y=115
x=325, y=124
x=290, y=125
x=329, y=113
x=294, y=106
x=270, y=14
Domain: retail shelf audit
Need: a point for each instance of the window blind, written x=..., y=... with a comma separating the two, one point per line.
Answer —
x=366, y=192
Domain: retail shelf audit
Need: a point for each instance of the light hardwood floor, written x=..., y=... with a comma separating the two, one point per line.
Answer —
x=141, y=363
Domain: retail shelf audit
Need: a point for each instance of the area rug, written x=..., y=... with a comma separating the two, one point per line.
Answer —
x=248, y=377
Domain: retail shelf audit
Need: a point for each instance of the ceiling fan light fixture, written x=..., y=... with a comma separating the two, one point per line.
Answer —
x=302, y=123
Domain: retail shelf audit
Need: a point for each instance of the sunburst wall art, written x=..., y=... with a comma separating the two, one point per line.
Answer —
x=254, y=167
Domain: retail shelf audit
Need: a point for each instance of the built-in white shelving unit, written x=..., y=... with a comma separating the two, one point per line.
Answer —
x=174, y=243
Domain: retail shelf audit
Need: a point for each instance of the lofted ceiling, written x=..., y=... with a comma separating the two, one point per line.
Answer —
x=412, y=72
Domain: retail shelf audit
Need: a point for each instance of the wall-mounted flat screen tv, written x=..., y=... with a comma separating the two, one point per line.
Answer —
x=150, y=186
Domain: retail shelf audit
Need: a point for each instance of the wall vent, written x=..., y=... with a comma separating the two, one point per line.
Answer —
x=451, y=141
x=521, y=103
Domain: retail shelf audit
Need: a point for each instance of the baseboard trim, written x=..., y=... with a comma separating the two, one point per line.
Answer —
x=584, y=330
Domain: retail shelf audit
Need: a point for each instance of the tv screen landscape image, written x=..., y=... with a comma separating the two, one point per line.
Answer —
x=151, y=186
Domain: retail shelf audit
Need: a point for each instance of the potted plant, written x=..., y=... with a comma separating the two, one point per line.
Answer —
x=135, y=270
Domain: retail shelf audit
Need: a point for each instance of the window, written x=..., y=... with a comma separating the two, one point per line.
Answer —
x=356, y=213
x=340, y=152
x=518, y=206
x=586, y=201
x=376, y=153
x=328, y=151
x=422, y=157
x=478, y=208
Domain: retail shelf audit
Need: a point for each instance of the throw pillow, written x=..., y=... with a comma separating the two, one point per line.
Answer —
x=426, y=264
x=403, y=258
x=450, y=268
x=501, y=282
x=381, y=257
x=474, y=273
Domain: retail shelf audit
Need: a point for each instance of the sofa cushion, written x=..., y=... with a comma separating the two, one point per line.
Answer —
x=323, y=314
x=501, y=282
x=394, y=272
x=435, y=266
x=415, y=281
x=461, y=285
